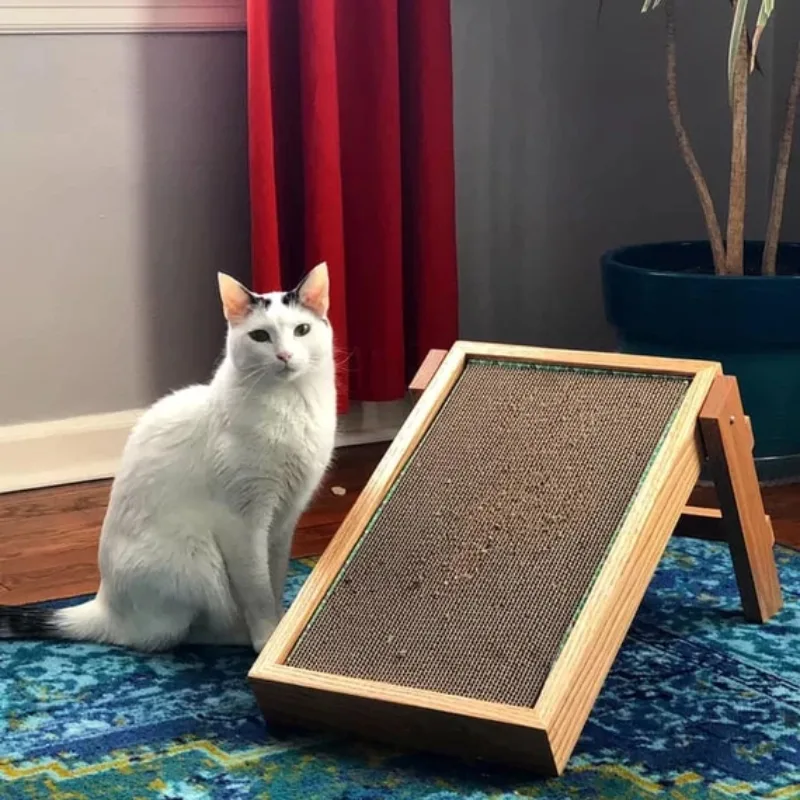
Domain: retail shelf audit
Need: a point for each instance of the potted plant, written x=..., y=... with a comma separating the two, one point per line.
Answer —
x=726, y=298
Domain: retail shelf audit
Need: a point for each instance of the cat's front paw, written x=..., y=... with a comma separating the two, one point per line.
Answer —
x=261, y=638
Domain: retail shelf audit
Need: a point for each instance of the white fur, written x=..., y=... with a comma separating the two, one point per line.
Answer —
x=195, y=544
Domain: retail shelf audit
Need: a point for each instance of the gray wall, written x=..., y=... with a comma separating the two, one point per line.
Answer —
x=564, y=148
x=123, y=189
x=123, y=185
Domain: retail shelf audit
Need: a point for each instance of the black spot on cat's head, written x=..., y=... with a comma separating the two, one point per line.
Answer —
x=260, y=300
x=292, y=298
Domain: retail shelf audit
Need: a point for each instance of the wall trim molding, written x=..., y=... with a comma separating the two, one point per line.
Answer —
x=121, y=16
x=38, y=454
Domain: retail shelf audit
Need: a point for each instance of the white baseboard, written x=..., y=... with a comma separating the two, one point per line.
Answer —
x=367, y=423
x=38, y=454
x=121, y=16
x=62, y=451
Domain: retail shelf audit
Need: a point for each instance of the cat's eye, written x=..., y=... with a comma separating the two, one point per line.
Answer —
x=259, y=335
x=302, y=330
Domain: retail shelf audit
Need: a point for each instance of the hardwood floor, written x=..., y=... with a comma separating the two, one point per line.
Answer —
x=48, y=537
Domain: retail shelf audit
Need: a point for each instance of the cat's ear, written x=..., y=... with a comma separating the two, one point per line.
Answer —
x=314, y=291
x=235, y=298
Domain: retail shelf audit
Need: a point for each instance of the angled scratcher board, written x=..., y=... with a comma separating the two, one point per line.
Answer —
x=475, y=598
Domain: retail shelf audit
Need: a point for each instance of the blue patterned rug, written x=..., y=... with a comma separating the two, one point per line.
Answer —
x=699, y=704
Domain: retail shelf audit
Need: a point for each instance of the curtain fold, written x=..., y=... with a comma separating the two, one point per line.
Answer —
x=351, y=159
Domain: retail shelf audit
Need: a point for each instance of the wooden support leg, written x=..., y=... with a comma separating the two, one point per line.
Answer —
x=426, y=372
x=728, y=443
x=698, y=522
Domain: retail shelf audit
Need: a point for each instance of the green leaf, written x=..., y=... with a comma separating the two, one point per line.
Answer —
x=733, y=45
x=649, y=5
x=764, y=13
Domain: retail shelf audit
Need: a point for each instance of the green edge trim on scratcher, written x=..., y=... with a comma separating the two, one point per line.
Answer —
x=541, y=366
x=517, y=365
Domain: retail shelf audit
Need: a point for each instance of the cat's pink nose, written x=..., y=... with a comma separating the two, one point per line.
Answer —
x=284, y=356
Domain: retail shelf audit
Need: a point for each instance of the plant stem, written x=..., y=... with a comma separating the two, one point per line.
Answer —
x=734, y=261
x=770, y=257
x=706, y=202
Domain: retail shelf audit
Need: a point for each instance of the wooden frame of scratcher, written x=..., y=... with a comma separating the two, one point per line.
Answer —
x=710, y=428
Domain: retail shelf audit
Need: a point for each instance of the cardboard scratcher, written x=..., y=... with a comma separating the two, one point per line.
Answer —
x=474, y=599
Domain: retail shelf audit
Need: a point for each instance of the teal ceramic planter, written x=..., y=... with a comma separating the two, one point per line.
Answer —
x=663, y=299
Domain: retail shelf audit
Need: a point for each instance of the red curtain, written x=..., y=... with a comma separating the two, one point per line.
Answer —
x=351, y=162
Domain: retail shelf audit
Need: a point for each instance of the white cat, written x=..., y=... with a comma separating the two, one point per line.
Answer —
x=195, y=543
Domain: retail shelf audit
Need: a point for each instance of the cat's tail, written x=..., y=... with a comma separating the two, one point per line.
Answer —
x=87, y=622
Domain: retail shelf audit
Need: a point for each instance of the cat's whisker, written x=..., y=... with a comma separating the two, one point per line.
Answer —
x=245, y=384
x=256, y=371
x=254, y=383
x=342, y=357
